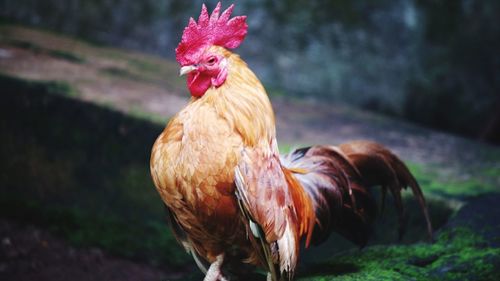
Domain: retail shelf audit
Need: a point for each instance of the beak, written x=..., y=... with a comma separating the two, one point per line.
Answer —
x=186, y=69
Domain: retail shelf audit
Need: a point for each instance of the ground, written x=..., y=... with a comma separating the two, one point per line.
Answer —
x=30, y=253
x=78, y=201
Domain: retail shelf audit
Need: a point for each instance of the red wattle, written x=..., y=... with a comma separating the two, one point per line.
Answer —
x=198, y=83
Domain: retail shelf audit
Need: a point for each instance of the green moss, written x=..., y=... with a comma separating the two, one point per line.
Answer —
x=432, y=181
x=492, y=172
x=458, y=254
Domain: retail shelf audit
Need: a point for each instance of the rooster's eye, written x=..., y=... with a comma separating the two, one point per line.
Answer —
x=211, y=60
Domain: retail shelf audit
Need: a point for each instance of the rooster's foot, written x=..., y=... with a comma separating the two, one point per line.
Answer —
x=214, y=273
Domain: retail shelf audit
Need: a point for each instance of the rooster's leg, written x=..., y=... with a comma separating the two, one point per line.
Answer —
x=214, y=273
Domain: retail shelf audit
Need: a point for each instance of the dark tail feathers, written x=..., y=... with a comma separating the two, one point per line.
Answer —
x=338, y=179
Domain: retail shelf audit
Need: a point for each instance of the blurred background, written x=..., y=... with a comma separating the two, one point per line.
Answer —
x=88, y=85
x=431, y=62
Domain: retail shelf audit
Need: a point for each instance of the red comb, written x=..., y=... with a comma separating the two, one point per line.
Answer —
x=213, y=30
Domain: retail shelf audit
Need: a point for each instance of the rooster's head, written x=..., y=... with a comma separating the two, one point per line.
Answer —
x=199, y=52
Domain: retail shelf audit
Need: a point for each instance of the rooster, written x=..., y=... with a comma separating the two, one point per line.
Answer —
x=229, y=194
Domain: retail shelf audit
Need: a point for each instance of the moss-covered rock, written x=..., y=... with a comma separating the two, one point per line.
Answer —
x=465, y=249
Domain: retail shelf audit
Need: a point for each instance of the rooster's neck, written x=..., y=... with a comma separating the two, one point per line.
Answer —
x=243, y=102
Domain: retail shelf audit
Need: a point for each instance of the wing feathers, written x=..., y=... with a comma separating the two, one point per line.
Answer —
x=273, y=199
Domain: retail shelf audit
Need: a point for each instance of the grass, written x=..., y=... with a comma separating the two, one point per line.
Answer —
x=432, y=181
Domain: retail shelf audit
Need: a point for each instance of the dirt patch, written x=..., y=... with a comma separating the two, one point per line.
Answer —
x=124, y=80
x=29, y=253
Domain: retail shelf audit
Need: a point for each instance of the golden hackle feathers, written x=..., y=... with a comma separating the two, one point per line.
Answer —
x=193, y=160
x=243, y=102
